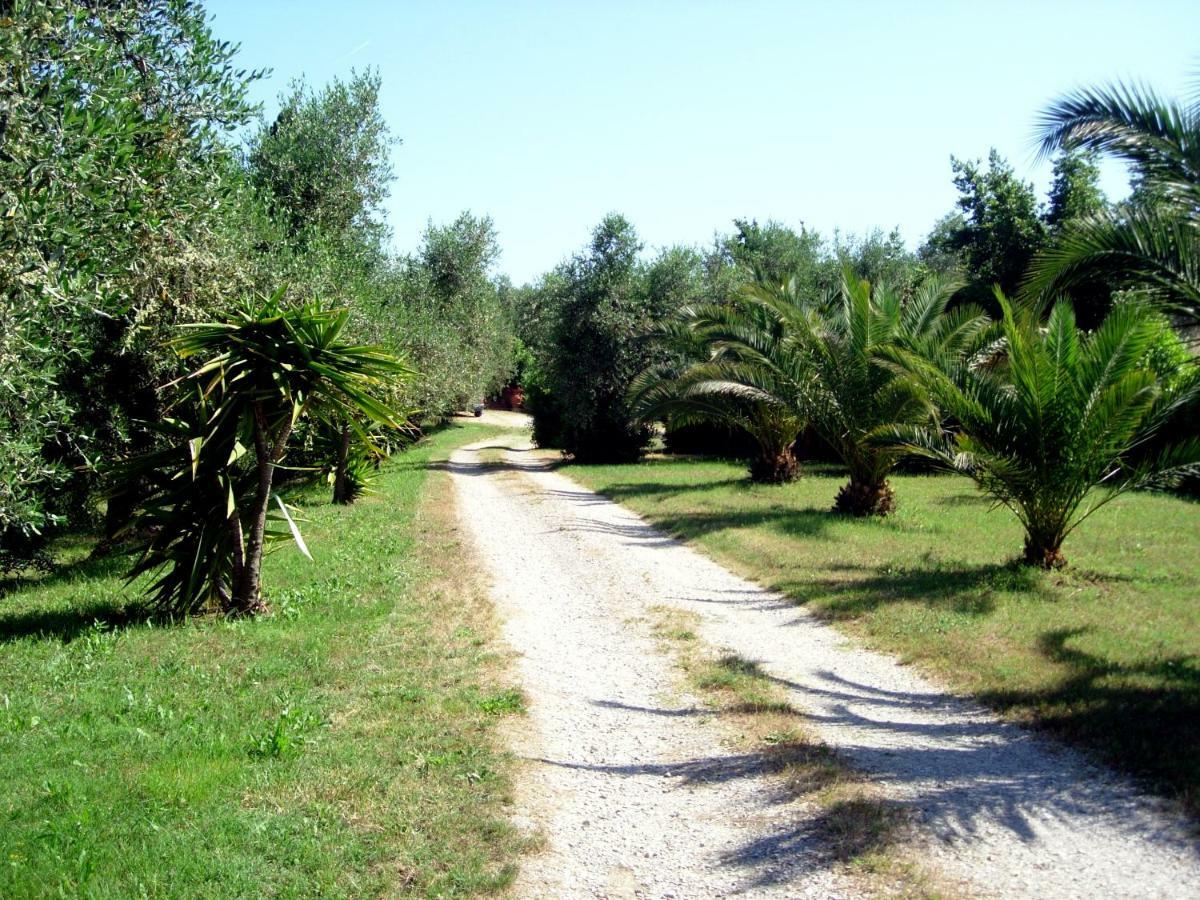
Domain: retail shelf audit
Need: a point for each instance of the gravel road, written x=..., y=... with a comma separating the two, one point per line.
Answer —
x=637, y=796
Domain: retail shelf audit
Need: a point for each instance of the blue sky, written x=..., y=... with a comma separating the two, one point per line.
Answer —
x=683, y=116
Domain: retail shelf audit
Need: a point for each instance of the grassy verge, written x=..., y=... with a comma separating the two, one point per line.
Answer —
x=861, y=830
x=1105, y=653
x=342, y=746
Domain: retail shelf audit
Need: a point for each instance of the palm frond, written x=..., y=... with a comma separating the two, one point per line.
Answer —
x=1140, y=248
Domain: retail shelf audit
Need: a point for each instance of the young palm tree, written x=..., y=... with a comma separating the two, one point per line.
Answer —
x=859, y=393
x=1055, y=429
x=752, y=376
x=265, y=367
x=1153, y=246
x=738, y=396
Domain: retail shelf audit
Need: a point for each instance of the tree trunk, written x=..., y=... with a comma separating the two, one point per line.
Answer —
x=117, y=514
x=1044, y=551
x=774, y=466
x=865, y=498
x=247, y=592
x=341, y=484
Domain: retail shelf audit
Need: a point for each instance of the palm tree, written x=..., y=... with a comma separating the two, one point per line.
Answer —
x=859, y=393
x=266, y=366
x=737, y=396
x=776, y=359
x=1060, y=424
x=1154, y=245
x=751, y=375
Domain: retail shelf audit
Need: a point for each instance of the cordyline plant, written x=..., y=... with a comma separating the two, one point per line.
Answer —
x=1057, y=424
x=265, y=367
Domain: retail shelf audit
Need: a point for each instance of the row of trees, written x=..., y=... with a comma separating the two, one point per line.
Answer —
x=883, y=354
x=591, y=325
x=141, y=192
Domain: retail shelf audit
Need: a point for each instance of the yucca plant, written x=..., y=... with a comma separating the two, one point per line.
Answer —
x=859, y=393
x=752, y=375
x=1153, y=246
x=264, y=368
x=1055, y=429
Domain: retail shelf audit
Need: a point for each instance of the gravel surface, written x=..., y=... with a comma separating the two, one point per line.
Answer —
x=635, y=793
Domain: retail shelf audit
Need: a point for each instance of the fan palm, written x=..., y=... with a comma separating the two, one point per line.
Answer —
x=751, y=375
x=1058, y=427
x=1152, y=246
x=848, y=340
x=266, y=366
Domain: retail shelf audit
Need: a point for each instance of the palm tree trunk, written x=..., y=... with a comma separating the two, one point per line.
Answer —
x=774, y=466
x=1044, y=550
x=341, y=487
x=865, y=497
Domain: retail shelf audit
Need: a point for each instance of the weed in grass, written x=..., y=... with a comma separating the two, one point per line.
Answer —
x=504, y=703
x=292, y=731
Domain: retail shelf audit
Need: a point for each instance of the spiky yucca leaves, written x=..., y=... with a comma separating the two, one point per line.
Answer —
x=1054, y=431
x=752, y=375
x=1153, y=247
x=858, y=392
x=266, y=366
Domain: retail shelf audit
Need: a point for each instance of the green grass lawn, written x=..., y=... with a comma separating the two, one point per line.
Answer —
x=1105, y=653
x=344, y=745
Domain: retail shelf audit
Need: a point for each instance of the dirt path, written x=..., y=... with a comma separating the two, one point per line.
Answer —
x=637, y=795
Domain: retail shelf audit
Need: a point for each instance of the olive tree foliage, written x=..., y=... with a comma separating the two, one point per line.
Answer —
x=774, y=253
x=444, y=308
x=323, y=164
x=115, y=185
x=324, y=160
x=1075, y=193
x=995, y=230
x=596, y=315
x=322, y=168
x=999, y=227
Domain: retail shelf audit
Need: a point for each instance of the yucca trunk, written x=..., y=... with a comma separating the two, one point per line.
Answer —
x=865, y=497
x=774, y=466
x=246, y=599
x=341, y=484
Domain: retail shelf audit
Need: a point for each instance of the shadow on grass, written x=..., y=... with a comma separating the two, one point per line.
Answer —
x=1143, y=717
x=68, y=623
x=82, y=569
x=620, y=492
x=66, y=618
x=959, y=587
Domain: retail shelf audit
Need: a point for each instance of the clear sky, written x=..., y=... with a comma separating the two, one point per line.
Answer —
x=686, y=115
